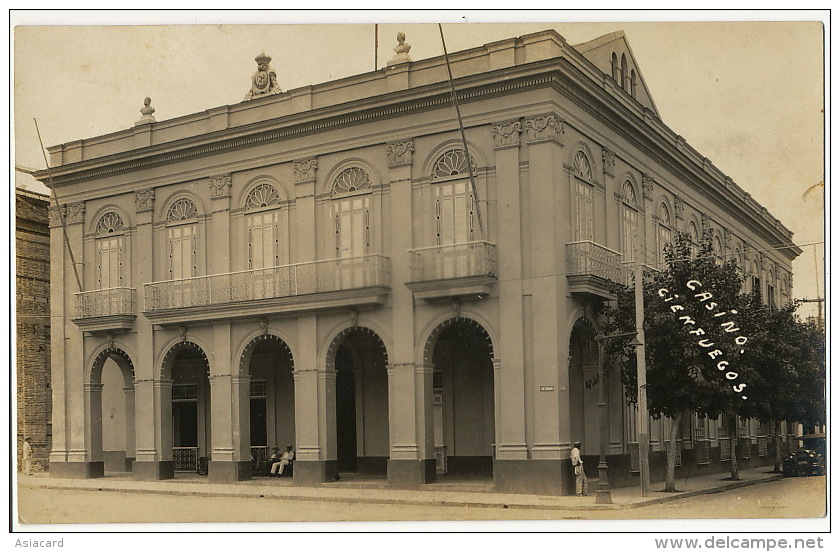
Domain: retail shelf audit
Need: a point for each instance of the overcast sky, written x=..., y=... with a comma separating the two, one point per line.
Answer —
x=747, y=95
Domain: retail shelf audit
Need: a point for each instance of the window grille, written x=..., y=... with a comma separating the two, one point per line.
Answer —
x=263, y=195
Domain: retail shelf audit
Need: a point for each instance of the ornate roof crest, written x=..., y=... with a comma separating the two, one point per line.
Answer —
x=264, y=81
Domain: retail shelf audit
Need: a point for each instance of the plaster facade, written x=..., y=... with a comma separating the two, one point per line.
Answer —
x=317, y=268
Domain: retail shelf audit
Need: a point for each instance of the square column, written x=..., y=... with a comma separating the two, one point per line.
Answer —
x=315, y=457
x=130, y=431
x=153, y=415
x=230, y=459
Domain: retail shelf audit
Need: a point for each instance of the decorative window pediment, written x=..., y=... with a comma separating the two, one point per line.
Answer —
x=183, y=209
x=110, y=223
x=351, y=180
x=452, y=163
x=263, y=195
x=581, y=167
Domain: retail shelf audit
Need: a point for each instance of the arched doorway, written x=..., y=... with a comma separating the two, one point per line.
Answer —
x=463, y=404
x=110, y=410
x=361, y=402
x=583, y=390
x=269, y=362
x=190, y=371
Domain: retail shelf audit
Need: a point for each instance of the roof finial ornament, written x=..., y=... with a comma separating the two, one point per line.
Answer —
x=264, y=81
x=402, y=49
x=147, y=111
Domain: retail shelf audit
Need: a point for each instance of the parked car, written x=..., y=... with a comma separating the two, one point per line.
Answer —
x=806, y=461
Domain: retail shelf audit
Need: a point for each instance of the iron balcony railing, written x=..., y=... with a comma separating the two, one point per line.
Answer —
x=118, y=301
x=460, y=260
x=587, y=258
x=270, y=283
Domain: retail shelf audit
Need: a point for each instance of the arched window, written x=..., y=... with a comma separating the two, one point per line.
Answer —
x=756, y=279
x=110, y=251
x=718, y=250
x=351, y=212
x=664, y=234
x=694, y=236
x=452, y=163
x=629, y=221
x=584, y=197
x=262, y=219
x=263, y=195
x=181, y=210
x=771, y=288
x=581, y=167
x=454, y=202
x=182, y=239
x=625, y=75
x=614, y=67
x=353, y=179
x=633, y=83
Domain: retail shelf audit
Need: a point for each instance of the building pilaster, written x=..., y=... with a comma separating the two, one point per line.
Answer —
x=509, y=383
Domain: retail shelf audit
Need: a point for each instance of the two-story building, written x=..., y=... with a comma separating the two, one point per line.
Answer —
x=331, y=267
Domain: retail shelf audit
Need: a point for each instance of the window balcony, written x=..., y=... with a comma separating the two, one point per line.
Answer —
x=592, y=270
x=106, y=310
x=445, y=271
x=335, y=283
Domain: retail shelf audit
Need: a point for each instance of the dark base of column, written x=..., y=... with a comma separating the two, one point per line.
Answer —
x=410, y=474
x=115, y=460
x=153, y=471
x=314, y=472
x=229, y=472
x=77, y=470
x=129, y=463
x=542, y=477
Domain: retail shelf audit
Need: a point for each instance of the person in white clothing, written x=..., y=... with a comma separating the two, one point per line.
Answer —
x=580, y=475
x=285, y=460
x=27, y=456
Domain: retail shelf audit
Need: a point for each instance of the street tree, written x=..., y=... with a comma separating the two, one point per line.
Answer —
x=690, y=340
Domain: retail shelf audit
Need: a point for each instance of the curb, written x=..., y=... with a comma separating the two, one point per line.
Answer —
x=435, y=498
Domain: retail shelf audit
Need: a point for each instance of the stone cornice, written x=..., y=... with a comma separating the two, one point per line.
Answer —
x=568, y=75
x=293, y=126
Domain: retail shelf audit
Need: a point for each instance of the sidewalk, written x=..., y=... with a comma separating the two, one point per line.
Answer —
x=470, y=494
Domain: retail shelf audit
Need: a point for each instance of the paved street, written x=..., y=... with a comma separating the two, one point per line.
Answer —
x=41, y=503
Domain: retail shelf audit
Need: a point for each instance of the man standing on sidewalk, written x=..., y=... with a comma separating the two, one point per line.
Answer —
x=27, y=457
x=580, y=476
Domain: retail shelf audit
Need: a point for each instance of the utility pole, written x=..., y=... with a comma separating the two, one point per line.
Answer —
x=642, y=416
x=604, y=494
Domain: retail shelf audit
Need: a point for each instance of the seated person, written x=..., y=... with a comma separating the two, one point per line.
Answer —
x=285, y=460
x=265, y=465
